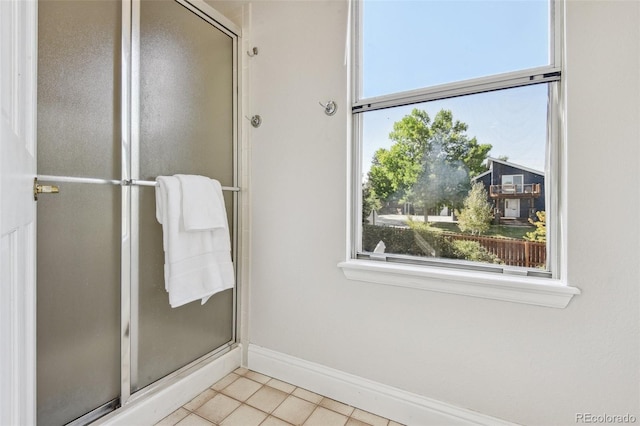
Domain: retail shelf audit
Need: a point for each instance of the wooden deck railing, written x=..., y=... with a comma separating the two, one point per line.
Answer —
x=515, y=190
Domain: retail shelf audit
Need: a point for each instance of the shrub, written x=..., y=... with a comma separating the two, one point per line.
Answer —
x=418, y=240
x=421, y=240
x=477, y=213
x=540, y=233
x=431, y=242
x=472, y=250
x=397, y=240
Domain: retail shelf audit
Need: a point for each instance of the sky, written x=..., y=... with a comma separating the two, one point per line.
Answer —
x=418, y=43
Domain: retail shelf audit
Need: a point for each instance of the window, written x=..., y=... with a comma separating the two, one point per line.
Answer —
x=455, y=119
x=512, y=184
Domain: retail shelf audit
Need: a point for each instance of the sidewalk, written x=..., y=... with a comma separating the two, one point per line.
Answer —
x=401, y=220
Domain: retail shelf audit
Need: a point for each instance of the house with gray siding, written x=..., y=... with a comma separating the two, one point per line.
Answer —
x=516, y=192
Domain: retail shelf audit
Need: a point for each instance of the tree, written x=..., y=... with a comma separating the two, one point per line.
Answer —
x=443, y=182
x=540, y=233
x=429, y=163
x=370, y=202
x=477, y=213
x=393, y=172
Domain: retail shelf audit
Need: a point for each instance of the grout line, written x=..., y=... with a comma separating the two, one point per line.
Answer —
x=197, y=415
x=270, y=414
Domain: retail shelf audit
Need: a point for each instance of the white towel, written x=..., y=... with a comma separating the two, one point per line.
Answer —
x=202, y=203
x=197, y=263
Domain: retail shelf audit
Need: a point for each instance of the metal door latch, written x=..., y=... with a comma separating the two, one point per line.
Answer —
x=43, y=189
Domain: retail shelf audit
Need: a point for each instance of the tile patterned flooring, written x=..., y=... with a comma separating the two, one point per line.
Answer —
x=247, y=398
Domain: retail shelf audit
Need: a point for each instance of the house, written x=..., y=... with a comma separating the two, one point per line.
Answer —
x=419, y=357
x=515, y=191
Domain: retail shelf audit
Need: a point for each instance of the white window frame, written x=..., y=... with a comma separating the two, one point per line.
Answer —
x=454, y=276
x=516, y=186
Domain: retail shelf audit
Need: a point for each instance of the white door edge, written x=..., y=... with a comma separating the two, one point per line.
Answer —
x=18, y=59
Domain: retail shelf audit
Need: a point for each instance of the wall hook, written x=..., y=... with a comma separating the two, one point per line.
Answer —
x=253, y=52
x=330, y=107
x=256, y=120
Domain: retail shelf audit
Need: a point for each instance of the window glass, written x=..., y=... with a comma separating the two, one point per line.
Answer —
x=460, y=178
x=456, y=175
x=413, y=44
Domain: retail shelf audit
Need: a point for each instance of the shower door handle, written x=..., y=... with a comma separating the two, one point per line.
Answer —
x=43, y=189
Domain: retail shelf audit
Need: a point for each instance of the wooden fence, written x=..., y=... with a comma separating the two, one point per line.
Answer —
x=510, y=251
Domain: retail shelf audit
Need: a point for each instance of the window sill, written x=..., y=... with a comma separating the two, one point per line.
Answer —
x=527, y=290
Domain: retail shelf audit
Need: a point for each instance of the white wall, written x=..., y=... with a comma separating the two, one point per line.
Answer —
x=526, y=364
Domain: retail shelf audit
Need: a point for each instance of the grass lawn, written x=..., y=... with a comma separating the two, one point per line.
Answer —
x=494, y=231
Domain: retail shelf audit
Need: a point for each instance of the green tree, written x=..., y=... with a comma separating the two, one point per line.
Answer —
x=443, y=181
x=540, y=233
x=393, y=172
x=429, y=163
x=451, y=137
x=370, y=202
x=476, y=215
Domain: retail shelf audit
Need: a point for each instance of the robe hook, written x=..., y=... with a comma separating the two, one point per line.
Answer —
x=330, y=107
x=253, y=52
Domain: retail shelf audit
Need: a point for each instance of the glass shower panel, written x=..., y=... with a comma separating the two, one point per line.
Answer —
x=186, y=126
x=186, y=94
x=78, y=254
x=79, y=88
x=78, y=326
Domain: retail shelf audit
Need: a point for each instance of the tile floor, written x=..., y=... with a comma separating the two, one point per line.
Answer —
x=247, y=398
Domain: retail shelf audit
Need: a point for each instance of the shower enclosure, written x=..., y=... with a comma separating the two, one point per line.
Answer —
x=127, y=91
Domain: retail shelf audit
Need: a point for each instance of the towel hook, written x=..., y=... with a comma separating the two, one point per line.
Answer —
x=253, y=52
x=330, y=107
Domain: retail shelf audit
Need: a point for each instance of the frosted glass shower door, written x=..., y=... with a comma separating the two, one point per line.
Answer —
x=78, y=254
x=186, y=108
x=111, y=113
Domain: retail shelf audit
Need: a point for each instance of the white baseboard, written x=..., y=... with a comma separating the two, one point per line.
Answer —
x=401, y=406
x=159, y=403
